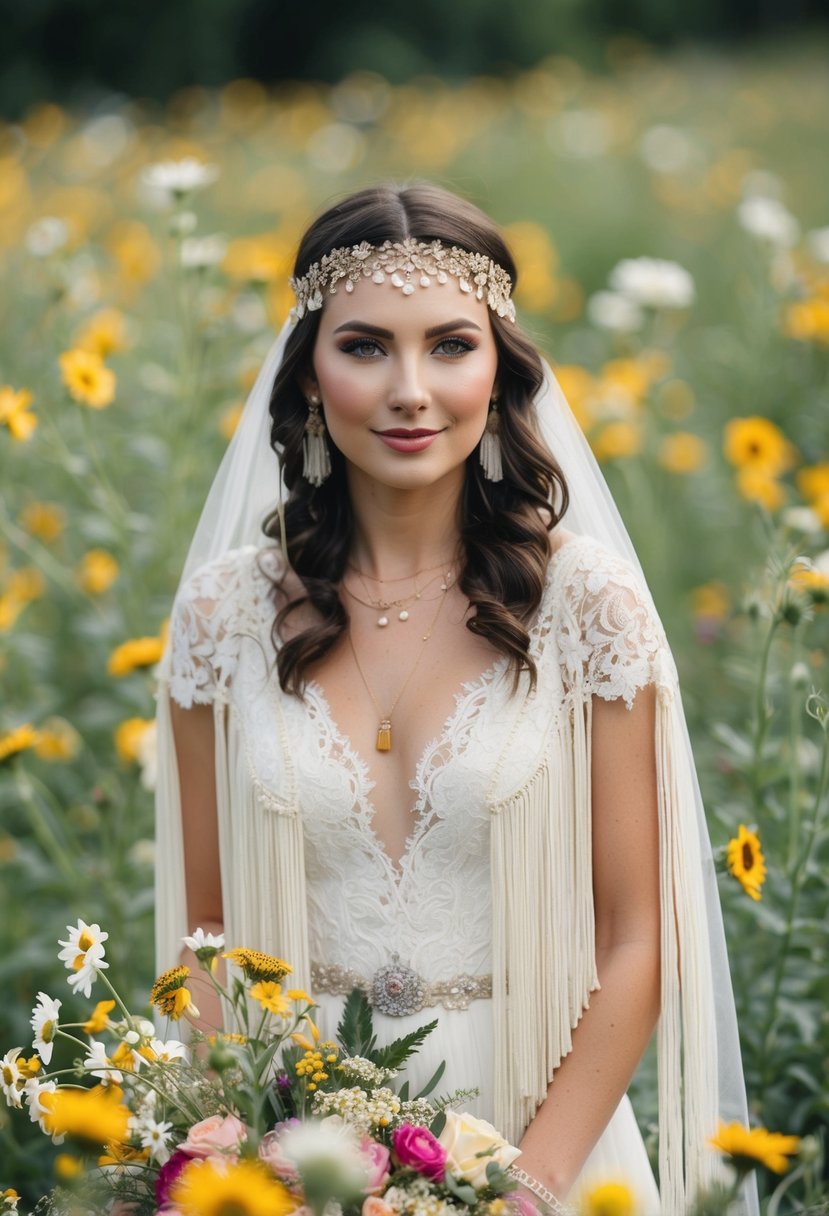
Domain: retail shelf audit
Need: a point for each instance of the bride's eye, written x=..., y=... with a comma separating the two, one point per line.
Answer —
x=363, y=348
x=454, y=348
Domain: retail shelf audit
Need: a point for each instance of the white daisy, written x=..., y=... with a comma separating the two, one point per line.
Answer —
x=768, y=220
x=99, y=1064
x=653, y=283
x=155, y=1136
x=610, y=310
x=169, y=181
x=167, y=1052
x=84, y=955
x=11, y=1078
x=818, y=242
x=201, y=941
x=199, y=252
x=45, y=1025
x=34, y=1089
x=46, y=236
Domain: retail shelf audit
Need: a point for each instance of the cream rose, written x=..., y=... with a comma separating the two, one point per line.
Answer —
x=466, y=1140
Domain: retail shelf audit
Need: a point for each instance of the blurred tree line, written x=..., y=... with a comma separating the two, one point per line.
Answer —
x=75, y=51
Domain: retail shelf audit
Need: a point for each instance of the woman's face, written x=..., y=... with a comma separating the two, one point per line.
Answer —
x=405, y=381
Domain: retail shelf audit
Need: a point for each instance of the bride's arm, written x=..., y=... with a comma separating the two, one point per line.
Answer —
x=193, y=734
x=614, y=1031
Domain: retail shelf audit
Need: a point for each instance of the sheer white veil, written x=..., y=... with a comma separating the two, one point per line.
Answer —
x=247, y=488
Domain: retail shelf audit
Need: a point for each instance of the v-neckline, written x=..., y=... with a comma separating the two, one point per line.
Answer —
x=426, y=763
x=366, y=819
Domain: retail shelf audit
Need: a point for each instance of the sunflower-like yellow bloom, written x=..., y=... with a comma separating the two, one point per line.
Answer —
x=103, y=333
x=617, y=441
x=128, y=736
x=746, y=862
x=757, y=484
x=139, y=652
x=15, y=412
x=87, y=379
x=682, y=453
x=207, y=1188
x=169, y=994
x=270, y=997
x=259, y=966
x=609, y=1199
x=97, y=571
x=95, y=1115
x=758, y=444
x=18, y=740
x=747, y=1147
x=808, y=320
x=45, y=520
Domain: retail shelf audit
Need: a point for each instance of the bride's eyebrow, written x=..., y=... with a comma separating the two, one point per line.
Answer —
x=376, y=331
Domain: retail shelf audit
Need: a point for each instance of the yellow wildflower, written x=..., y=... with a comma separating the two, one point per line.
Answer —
x=808, y=320
x=746, y=862
x=746, y=1147
x=710, y=601
x=45, y=520
x=134, y=251
x=756, y=443
x=812, y=581
x=609, y=1199
x=258, y=966
x=97, y=571
x=87, y=379
x=630, y=376
x=103, y=333
x=616, y=441
x=757, y=484
x=21, y=739
x=15, y=412
x=813, y=481
x=68, y=1167
x=299, y=994
x=128, y=738
x=682, y=453
x=139, y=652
x=122, y=1058
x=29, y=1068
x=245, y=1188
x=537, y=261
x=123, y=1154
x=58, y=740
x=169, y=994
x=258, y=259
x=98, y=1020
x=270, y=997
x=579, y=387
x=96, y=1115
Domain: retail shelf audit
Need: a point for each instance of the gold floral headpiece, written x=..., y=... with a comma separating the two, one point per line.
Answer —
x=406, y=264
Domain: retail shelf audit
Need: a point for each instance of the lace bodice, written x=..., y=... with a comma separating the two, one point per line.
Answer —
x=595, y=634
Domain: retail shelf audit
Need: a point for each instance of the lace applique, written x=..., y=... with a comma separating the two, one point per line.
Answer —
x=223, y=602
x=610, y=639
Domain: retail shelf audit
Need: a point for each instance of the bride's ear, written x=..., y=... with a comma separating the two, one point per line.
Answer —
x=308, y=385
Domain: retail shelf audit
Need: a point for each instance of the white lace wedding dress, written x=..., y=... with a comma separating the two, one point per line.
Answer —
x=434, y=911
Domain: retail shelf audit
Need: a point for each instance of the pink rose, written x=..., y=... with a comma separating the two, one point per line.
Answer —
x=219, y=1135
x=270, y=1151
x=417, y=1147
x=373, y=1205
x=377, y=1160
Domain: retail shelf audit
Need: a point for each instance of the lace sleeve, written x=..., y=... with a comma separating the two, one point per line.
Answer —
x=611, y=639
x=210, y=616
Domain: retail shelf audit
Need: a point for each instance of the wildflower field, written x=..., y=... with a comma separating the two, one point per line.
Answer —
x=138, y=303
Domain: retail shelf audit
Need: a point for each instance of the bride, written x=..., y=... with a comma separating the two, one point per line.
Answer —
x=423, y=734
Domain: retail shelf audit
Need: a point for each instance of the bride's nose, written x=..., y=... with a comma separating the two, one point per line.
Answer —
x=408, y=391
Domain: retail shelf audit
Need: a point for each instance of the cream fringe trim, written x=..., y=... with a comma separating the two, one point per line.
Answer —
x=544, y=965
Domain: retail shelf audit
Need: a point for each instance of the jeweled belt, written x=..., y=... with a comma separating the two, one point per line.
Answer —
x=399, y=990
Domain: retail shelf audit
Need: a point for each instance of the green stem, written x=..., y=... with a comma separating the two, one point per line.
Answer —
x=762, y=716
x=795, y=732
x=102, y=975
x=58, y=851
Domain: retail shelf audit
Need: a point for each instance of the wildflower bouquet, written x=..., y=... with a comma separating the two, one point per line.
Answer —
x=263, y=1119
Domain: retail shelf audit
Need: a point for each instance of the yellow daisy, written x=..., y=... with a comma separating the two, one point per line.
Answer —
x=758, y=444
x=682, y=453
x=87, y=379
x=95, y=1115
x=169, y=994
x=138, y=652
x=608, y=1199
x=15, y=412
x=18, y=740
x=99, y=1018
x=207, y=1188
x=746, y=862
x=269, y=995
x=747, y=1148
x=97, y=571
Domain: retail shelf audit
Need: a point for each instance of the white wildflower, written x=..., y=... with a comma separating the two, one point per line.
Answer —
x=99, y=1064
x=609, y=310
x=83, y=954
x=199, y=252
x=155, y=1136
x=328, y=1147
x=666, y=149
x=33, y=1090
x=364, y=1070
x=11, y=1078
x=818, y=242
x=802, y=519
x=653, y=283
x=204, y=941
x=45, y=1024
x=169, y=1051
x=169, y=181
x=46, y=236
x=768, y=220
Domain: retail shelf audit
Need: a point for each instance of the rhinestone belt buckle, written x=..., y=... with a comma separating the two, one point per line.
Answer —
x=396, y=989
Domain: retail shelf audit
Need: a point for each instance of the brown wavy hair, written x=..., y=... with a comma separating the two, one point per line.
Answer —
x=504, y=525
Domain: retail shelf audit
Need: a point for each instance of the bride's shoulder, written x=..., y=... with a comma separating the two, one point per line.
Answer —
x=232, y=581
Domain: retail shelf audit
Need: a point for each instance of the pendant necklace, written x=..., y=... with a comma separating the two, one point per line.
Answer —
x=384, y=729
x=404, y=603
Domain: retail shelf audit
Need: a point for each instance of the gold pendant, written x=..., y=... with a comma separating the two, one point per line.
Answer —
x=384, y=736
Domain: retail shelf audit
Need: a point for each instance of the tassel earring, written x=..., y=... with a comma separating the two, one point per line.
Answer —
x=490, y=454
x=316, y=461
